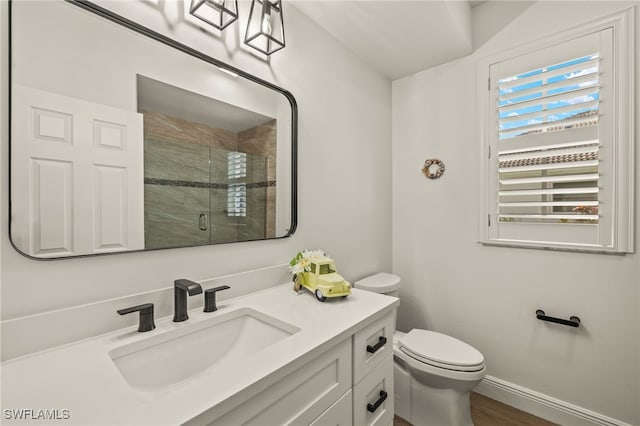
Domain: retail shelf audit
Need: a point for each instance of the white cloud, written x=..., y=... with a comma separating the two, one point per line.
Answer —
x=508, y=79
x=581, y=99
x=582, y=72
x=588, y=83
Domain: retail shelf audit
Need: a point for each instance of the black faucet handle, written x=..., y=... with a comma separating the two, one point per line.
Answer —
x=191, y=287
x=146, y=316
x=210, y=298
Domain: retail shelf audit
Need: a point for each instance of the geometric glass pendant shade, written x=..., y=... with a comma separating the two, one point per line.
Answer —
x=265, y=29
x=218, y=13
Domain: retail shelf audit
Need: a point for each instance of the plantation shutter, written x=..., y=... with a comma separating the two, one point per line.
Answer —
x=557, y=140
x=554, y=183
x=550, y=182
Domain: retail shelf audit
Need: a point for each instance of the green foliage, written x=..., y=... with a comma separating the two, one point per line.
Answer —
x=296, y=259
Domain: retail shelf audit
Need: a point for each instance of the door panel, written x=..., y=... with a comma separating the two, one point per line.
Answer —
x=81, y=164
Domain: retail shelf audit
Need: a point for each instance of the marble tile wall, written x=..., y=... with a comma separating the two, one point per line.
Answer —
x=168, y=127
x=254, y=224
x=170, y=160
x=262, y=140
x=172, y=216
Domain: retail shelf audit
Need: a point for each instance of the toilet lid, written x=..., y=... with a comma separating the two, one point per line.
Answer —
x=440, y=350
x=379, y=283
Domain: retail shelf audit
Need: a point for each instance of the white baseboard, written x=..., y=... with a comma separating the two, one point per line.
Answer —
x=541, y=405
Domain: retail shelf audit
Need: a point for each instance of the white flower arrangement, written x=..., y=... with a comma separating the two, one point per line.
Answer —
x=302, y=261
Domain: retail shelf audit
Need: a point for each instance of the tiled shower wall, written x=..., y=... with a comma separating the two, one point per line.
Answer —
x=181, y=184
x=252, y=141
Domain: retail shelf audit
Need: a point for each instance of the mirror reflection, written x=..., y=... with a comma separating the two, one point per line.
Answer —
x=113, y=150
x=208, y=178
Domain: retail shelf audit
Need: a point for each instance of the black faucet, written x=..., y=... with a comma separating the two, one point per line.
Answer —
x=146, y=316
x=180, y=289
x=210, y=298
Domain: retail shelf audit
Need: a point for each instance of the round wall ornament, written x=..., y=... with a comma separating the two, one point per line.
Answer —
x=433, y=168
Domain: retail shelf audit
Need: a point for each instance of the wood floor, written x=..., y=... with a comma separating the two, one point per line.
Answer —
x=488, y=412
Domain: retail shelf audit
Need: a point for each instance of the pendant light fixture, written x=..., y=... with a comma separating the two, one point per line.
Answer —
x=265, y=29
x=218, y=13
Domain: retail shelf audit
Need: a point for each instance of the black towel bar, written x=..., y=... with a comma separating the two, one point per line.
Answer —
x=572, y=322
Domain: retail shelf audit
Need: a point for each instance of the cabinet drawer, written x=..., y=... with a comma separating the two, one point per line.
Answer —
x=339, y=414
x=373, y=396
x=301, y=396
x=370, y=348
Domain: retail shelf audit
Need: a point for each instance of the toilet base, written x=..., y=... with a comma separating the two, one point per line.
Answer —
x=424, y=405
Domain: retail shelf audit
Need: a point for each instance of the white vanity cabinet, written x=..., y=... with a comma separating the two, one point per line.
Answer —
x=349, y=384
x=339, y=414
x=300, y=397
x=373, y=397
x=373, y=373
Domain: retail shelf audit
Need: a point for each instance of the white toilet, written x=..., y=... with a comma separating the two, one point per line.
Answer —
x=433, y=373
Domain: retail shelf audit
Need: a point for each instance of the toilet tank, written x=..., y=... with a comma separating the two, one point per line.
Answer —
x=382, y=283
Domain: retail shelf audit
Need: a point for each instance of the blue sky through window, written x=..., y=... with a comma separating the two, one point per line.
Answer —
x=584, y=102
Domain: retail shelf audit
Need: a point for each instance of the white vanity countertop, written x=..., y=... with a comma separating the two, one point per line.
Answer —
x=82, y=378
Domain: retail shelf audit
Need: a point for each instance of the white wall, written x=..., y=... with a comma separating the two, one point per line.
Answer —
x=488, y=296
x=484, y=295
x=344, y=177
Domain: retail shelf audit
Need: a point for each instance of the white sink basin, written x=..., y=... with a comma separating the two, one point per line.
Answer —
x=169, y=358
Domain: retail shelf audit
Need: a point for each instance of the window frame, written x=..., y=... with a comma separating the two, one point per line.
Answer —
x=623, y=184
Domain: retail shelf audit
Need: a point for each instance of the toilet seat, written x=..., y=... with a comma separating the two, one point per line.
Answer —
x=461, y=376
x=441, y=351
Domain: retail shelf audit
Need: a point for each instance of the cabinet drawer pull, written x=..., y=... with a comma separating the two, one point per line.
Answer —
x=381, y=342
x=373, y=407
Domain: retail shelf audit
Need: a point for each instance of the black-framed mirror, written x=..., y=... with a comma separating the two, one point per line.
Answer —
x=123, y=139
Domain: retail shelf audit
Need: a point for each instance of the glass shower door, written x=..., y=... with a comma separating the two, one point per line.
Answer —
x=197, y=195
x=176, y=193
x=238, y=196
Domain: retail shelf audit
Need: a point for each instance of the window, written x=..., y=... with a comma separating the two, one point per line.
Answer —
x=557, y=145
x=236, y=191
x=326, y=269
